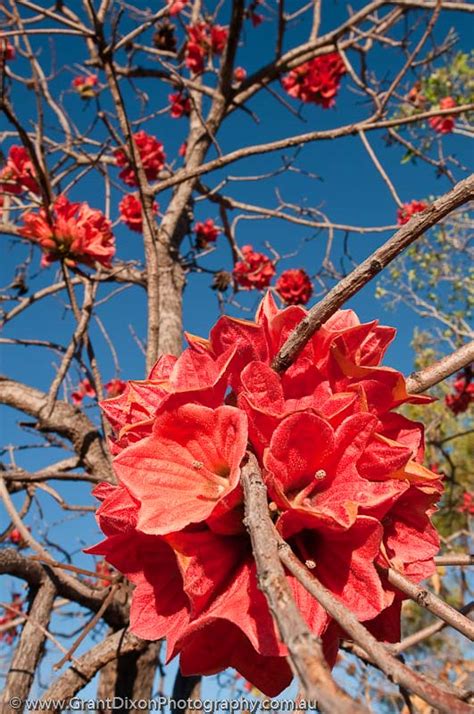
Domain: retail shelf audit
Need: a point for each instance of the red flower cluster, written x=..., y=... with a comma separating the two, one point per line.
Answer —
x=255, y=271
x=444, y=124
x=463, y=397
x=18, y=174
x=7, y=51
x=342, y=469
x=84, y=389
x=180, y=105
x=206, y=232
x=73, y=232
x=204, y=41
x=316, y=81
x=115, y=387
x=294, y=287
x=131, y=213
x=151, y=154
x=467, y=505
x=408, y=210
x=86, y=85
x=11, y=613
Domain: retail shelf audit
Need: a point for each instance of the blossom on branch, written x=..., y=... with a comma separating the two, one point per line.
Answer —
x=463, y=396
x=131, y=212
x=316, y=81
x=343, y=471
x=84, y=389
x=255, y=271
x=115, y=387
x=294, y=287
x=206, y=232
x=73, y=232
x=175, y=6
x=7, y=51
x=12, y=612
x=409, y=209
x=180, y=105
x=18, y=174
x=151, y=154
x=86, y=85
x=444, y=124
x=204, y=41
x=467, y=505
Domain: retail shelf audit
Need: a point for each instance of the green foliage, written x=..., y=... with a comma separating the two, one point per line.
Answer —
x=455, y=79
x=435, y=277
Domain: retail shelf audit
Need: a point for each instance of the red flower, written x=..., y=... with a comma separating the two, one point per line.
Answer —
x=294, y=287
x=11, y=613
x=18, y=174
x=206, y=232
x=180, y=105
x=131, y=213
x=204, y=40
x=409, y=209
x=316, y=81
x=115, y=387
x=7, y=51
x=444, y=124
x=84, y=389
x=255, y=271
x=73, y=232
x=240, y=73
x=151, y=154
x=175, y=6
x=467, y=505
x=105, y=573
x=17, y=539
x=182, y=149
x=463, y=397
x=86, y=85
x=342, y=470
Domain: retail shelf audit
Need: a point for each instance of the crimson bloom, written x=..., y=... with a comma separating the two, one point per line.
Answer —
x=343, y=471
x=294, y=287
x=73, y=232
x=316, y=81
x=175, y=6
x=409, y=209
x=84, y=389
x=151, y=154
x=240, y=73
x=444, y=124
x=206, y=232
x=467, y=504
x=463, y=396
x=11, y=613
x=18, y=174
x=204, y=40
x=115, y=387
x=180, y=105
x=7, y=51
x=131, y=213
x=255, y=271
x=86, y=85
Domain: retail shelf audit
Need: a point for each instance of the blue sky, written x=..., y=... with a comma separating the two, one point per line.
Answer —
x=349, y=191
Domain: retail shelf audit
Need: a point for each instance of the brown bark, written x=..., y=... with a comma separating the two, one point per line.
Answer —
x=30, y=647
